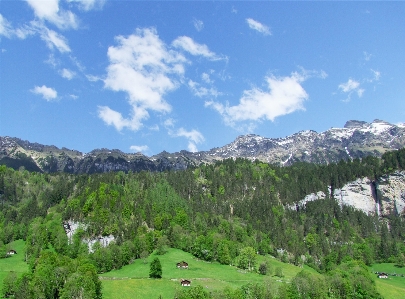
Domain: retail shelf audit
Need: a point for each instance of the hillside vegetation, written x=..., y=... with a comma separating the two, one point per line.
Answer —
x=231, y=213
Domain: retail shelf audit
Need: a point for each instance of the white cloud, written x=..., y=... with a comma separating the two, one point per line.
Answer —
x=143, y=67
x=169, y=123
x=5, y=27
x=285, y=95
x=7, y=30
x=377, y=75
x=198, y=24
x=255, y=25
x=87, y=5
x=188, y=44
x=93, y=78
x=52, y=61
x=76, y=62
x=305, y=74
x=47, y=93
x=155, y=127
x=50, y=11
x=114, y=118
x=351, y=86
x=51, y=38
x=67, y=74
x=200, y=91
x=73, y=96
x=367, y=56
x=55, y=40
x=139, y=148
x=194, y=137
x=206, y=78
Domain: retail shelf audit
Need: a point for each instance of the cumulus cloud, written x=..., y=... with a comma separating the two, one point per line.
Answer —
x=143, y=67
x=50, y=11
x=47, y=93
x=284, y=95
x=67, y=74
x=194, y=137
x=139, y=148
x=189, y=45
x=350, y=87
x=198, y=24
x=114, y=118
x=255, y=25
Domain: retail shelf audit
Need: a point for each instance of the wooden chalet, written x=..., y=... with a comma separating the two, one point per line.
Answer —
x=182, y=265
x=11, y=252
x=185, y=283
x=382, y=275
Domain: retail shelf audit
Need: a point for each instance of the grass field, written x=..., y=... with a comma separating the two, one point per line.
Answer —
x=13, y=263
x=394, y=286
x=132, y=281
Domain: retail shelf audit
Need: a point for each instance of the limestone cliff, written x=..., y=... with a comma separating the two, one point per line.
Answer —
x=385, y=196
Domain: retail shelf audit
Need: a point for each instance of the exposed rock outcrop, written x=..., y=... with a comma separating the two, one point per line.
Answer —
x=383, y=197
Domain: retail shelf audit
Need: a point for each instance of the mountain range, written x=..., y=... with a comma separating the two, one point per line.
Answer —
x=356, y=139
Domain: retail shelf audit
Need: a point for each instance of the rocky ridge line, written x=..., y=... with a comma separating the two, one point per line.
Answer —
x=356, y=139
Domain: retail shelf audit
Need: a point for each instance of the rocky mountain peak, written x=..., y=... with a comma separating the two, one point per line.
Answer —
x=356, y=139
x=353, y=124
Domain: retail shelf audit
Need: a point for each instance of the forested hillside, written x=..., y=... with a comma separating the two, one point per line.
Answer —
x=226, y=212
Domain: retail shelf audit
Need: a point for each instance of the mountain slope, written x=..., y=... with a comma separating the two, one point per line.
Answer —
x=355, y=140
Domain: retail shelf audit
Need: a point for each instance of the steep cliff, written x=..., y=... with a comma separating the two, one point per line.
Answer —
x=385, y=196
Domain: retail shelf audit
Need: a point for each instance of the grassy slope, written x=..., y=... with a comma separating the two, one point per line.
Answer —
x=394, y=286
x=132, y=281
x=15, y=262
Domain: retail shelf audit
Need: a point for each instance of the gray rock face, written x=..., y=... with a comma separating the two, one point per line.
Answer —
x=383, y=197
x=356, y=140
x=391, y=194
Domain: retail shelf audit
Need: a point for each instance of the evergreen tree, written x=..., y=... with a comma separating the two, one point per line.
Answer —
x=155, y=269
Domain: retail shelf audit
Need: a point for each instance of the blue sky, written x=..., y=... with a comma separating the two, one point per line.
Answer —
x=194, y=75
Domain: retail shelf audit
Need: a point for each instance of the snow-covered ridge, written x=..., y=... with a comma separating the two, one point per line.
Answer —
x=356, y=139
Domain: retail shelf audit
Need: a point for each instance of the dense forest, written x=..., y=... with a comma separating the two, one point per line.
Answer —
x=226, y=212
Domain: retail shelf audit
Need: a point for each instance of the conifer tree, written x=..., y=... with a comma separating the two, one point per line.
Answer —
x=155, y=269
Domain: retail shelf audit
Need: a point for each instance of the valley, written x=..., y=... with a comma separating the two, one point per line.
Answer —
x=243, y=227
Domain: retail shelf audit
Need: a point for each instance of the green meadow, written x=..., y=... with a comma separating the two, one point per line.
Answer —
x=132, y=281
x=13, y=263
x=394, y=286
